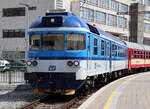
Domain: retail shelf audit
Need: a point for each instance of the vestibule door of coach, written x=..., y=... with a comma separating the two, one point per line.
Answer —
x=108, y=56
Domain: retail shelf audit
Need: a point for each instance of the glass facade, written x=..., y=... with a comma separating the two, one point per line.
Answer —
x=111, y=20
x=147, y=28
x=112, y=4
x=123, y=7
x=100, y=17
x=87, y=14
x=122, y=22
x=147, y=2
x=140, y=1
x=103, y=3
x=147, y=17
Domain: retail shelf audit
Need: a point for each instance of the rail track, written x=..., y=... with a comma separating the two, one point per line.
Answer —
x=63, y=102
x=66, y=102
x=34, y=104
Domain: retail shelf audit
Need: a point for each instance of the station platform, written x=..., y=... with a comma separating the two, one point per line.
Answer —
x=130, y=92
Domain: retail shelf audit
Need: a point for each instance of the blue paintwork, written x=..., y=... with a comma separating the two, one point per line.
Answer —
x=70, y=20
x=57, y=82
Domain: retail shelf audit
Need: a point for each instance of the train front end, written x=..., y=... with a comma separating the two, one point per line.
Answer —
x=57, y=54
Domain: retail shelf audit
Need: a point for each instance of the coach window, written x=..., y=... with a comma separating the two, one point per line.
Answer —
x=102, y=47
x=34, y=41
x=119, y=49
x=144, y=55
x=141, y=54
x=95, y=46
x=107, y=49
x=113, y=50
x=75, y=41
x=138, y=54
x=147, y=55
x=135, y=55
x=52, y=42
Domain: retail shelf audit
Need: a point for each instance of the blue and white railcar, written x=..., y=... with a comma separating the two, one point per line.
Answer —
x=65, y=52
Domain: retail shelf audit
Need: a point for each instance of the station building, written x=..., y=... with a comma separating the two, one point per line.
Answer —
x=101, y=13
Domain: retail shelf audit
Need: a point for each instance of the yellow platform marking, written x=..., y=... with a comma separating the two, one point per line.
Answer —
x=114, y=93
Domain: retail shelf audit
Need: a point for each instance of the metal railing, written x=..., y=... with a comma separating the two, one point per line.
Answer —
x=13, y=75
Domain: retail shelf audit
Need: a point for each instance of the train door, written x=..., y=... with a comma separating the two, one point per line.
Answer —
x=129, y=59
x=108, y=56
x=88, y=53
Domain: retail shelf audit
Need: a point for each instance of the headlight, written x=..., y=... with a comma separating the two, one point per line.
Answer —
x=76, y=63
x=69, y=63
x=34, y=63
x=28, y=63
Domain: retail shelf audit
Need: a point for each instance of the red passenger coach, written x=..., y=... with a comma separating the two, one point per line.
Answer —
x=138, y=56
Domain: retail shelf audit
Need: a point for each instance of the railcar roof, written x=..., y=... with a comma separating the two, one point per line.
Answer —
x=72, y=21
x=69, y=20
x=110, y=36
x=137, y=46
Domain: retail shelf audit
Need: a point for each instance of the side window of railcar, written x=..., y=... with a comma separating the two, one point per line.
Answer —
x=135, y=54
x=34, y=41
x=53, y=42
x=139, y=54
x=144, y=54
x=75, y=41
x=107, y=47
x=149, y=55
x=119, y=49
x=113, y=50
x=102, y=47
x=95, y=46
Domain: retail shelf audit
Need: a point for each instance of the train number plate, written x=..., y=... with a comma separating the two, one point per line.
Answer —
x=52, y=68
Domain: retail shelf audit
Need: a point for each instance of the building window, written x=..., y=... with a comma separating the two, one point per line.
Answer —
x=147, y=2
x=111, y=20
x=16, y=33
x=116, y=6
x=100, y=17
x=123, y=7
x=147, y=28
x=13, y=55
x=140, y=1
x=147, y=17
x=87, y=14
x=91, y=2
x=7, y=12
x=103, y=3
x=112, y=5
x=122, y=22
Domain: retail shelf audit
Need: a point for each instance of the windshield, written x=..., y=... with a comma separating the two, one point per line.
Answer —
x=53, y=41
x=75, y=41
x=34, y=41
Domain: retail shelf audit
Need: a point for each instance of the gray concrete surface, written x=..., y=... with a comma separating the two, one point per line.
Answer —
x=131, y=92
